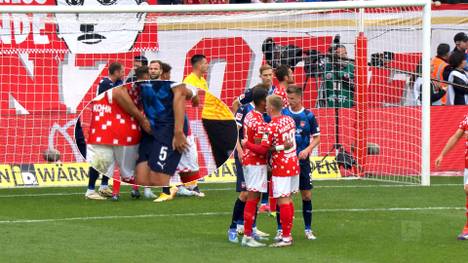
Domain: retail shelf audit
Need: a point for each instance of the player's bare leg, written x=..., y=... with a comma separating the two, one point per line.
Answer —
x=142, y=173
x=142, y=178
x=307, y=213
x=159, y=179
x=286, y=217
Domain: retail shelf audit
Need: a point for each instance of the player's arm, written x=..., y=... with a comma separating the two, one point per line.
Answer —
x=265, y=145
x=192, y=94
x=240, y=151
x=261, y=149
x=179, y=141
x=239, y=117
x=314, y=141
x=235, y=105
x=449, y=146
x=243, y=99
x=120, y=95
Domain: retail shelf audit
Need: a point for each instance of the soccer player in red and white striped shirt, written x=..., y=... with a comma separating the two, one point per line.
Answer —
x=461, y=132
x=285, y=164
x=115, y=131
x=254, y=165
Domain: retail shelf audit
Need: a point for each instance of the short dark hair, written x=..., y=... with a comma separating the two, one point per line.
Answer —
x=456, y=58
x=460, y=36
x=259, y=94
x=155, y=61
x=443, y=49
x=196, y=58
x=142, y=59
x=141, y=71
x=113, y=67
x=337, y=46
x=281, y=72
x=294, y=89
x=165, y=68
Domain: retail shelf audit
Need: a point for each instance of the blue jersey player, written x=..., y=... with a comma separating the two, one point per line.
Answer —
x=307, y=138
x=266, y=75
x=258, y=93
x=164, y=106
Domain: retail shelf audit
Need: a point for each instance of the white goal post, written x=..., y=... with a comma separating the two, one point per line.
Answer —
x=240, y=25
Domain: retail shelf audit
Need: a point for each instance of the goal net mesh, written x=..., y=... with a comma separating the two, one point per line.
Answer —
x=359, y=85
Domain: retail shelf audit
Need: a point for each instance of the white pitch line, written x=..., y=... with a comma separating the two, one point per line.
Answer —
x=91, y=218
x=232, y=189
x=82, y=193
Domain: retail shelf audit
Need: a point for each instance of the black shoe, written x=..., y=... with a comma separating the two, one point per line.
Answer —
x=135, y=194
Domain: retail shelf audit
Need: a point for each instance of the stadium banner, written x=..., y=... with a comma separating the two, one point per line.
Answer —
x=44, y=175
x=326, y=168
x=49, y=77
x=76, y=174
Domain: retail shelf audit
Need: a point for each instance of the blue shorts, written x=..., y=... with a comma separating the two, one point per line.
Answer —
x=305, y=179
x=240, y=181
x=144, y=150
x=163, y=158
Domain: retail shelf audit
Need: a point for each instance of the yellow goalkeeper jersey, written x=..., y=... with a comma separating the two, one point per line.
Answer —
x=213, y=108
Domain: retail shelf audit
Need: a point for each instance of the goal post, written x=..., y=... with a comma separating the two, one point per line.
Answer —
x=369, y=114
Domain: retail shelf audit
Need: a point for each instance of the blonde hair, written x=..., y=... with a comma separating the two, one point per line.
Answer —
x=276, y=102
x=264, y=67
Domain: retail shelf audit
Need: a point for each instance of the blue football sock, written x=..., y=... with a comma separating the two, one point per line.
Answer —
x=237, y=213
x=278, y=221
x=93, y=176
x=307, y=213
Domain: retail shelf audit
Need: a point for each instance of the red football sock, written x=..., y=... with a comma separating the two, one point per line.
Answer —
x=286, y=219
x=291, y=206
x=116, y=184
x=271, y=199
x=249, y=216
x=131, y=181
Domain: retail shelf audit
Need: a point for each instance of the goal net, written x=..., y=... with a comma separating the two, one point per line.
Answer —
x=357, y=63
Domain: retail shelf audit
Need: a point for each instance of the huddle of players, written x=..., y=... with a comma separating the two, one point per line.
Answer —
x=277, y=136
x=143, y=127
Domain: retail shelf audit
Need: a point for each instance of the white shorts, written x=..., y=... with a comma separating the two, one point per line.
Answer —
x=284, y=186
x=103, y=158
x=189, y=160
x=255, y=177
x=465, y=177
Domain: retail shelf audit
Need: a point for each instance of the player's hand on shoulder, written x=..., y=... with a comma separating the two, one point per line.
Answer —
x=179, y=142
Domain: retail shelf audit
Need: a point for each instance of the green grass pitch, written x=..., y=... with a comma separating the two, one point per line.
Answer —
x=355, y=221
